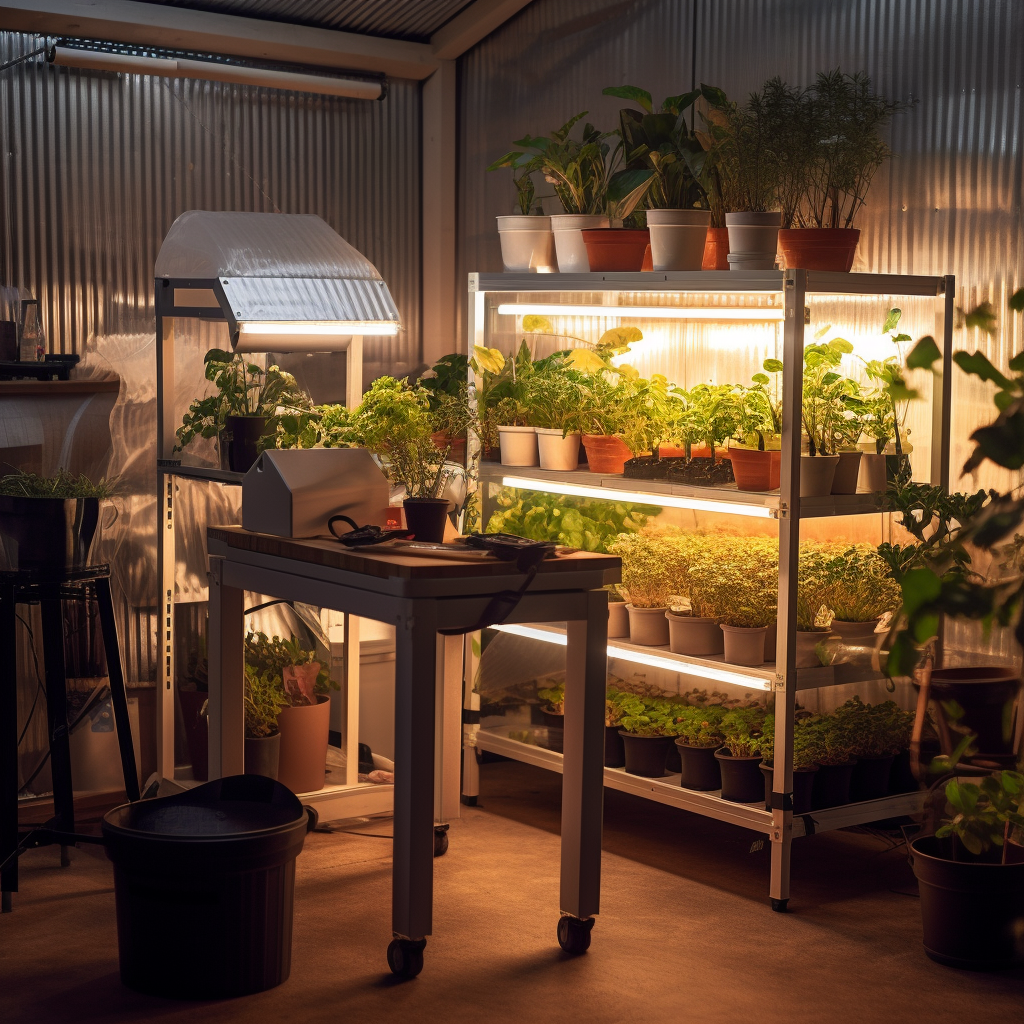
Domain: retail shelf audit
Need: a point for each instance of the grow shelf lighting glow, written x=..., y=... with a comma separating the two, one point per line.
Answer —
x=329, y=328
x=704, y=671
x=739, y=313
x=735, y=508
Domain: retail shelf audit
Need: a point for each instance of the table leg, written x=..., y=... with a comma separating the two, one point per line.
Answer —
x=57, y=711
x=118, y=697
x=415, y=685
x=448, y=723
x=225, y=652
x=583, y=770
x=8, y=747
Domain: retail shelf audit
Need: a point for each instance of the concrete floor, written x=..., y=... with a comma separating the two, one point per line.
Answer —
x=685, y=932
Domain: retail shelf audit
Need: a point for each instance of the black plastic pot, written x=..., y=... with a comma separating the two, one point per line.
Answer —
x=987, y=695
x=48, y=533
x=870, y=778
x=614, y=749
x=552, y=721
x=699, y=769
x=741, y=778
x=832, y=785
x=901, y=778
x=803, y=787
x=426, y=518
x=203, y=885
x=673, y=764
x=970, y=911
x=262, y=755
x=645, y=755
x=239, y=441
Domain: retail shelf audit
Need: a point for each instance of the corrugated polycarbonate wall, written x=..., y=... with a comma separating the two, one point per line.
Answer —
x=96, y=166
x=949, y=201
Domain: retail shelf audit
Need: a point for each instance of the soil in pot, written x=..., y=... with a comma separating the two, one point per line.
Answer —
x=197, y=732
x=618, y=620
x=754, y=470
x=743, y=645
x=698, y=767
x=645, y=755
x=803, y=787
x=614, y=749
x=649, y=467
x=700, y=471
x=557, y=452
x=819, y=248
x=426, y=517
x=987, y=694
x=570, y=249
x=699, y=637
x=303, y=762
x=606, y=453
x=970, y=911
x=526, y=242
x=518, y=446
x=262, y=755
x=742, y=781
x=806, y=642
x=859, y=634
x=816, y=475
x=648, y=626
x=716, y=250
x=847, y=472
x=612, y=250
x=240, y=438
x=870, y=779
x=678, y=238
x=832, y=785
x=48, y=533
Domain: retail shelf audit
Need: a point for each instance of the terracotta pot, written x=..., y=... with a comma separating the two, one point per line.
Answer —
x=618, y=620
x=557, y=452
x=616, y=249
x=742, y=781
x=678, y=238
x=754, y=470
x=716, y=249
x=987, y=695
x=304, y=732
x=606, y=454
x=861, y=634
x=696, y=636
x=698, y=768
x=647, y=626
x=819, y=248
x=847, y=473
x=526, y=242
x=743, y=645
x=816, y=475
x=648, y=263
x=570, y=249
x=805, y=644
x=518, y=446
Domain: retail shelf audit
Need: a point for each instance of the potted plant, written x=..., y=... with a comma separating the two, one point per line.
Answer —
x=651, y=570
x=242, y=411
x=698, y=735
x=647, y=731
x=700, y=419
x=805, y=752
x=394, y=423
x=554, y=407
x=263, y=700
x=49, y=523
x=577, y=168
x=657, y=142
x=618, y=614
x=552, y=700
x=614, y=748
x=526, y=239
x=738, y=758
x=607, y=452
x=880, y=732
x=826, y=412
x=834, y=131
x=813, y=615
x=862, y=591
x=756, y=451
x=692, y=629
x=836, y=737
x=447, y=389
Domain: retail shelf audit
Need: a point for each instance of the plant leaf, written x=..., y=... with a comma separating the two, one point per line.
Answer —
x=773, y=365
x=920, y=587
x=978, y=365
x=892, y=318
x=924, y=354
x=1017, y=300
x=641, y=97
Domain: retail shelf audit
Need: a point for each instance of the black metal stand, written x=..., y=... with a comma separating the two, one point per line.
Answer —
x=50, y=590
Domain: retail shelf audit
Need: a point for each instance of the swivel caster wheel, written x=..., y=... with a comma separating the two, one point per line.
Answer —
x=574, y=934
x=405, y=957
x=440, y=840
x=780, y=906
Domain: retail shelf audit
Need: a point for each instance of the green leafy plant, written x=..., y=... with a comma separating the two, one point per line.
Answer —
x=648, y=716
x=274, y=655
x=263, y=698
x=753, y=136
x=552, y=697
x=743, y=730
x=877, y=730
x=522, y=168
x=827, y=419
x=861, y=585
x=758, y=412
x=700, y=726
x=983, y=814
x=61, y=485
x=735, y=581
x=554, y=399
x=653, y=566
x=814, y=590
x=705, y=414
x=835, y=735
x=805, y=742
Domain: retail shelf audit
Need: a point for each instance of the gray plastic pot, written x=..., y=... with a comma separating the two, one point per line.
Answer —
x=806, y=642
x=753, y=236
x=688, y=634
x=816, y=475
x=847, y=473
x=262, y=755
x=743, y=645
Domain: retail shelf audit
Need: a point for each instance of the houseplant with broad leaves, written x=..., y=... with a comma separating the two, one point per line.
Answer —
x=755, y=449
x=648, y=727
x=447, y=389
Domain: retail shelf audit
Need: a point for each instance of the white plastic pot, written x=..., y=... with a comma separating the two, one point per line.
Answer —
x=518, y=446
x=752, y=235
x=570, y=249
x=526, y=243
x=558, y=452
x=648, y=626
x=678, y=238
x=746, y=261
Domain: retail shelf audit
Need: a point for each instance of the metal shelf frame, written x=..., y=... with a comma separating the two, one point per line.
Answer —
x=786, y=506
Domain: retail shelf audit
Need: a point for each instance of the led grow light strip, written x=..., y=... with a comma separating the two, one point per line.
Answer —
x=324, y=328
x=742, y=313
x=710, y=672
x=735, y=508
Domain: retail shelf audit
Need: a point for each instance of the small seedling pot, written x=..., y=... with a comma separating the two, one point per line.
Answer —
x=743, y=645
x=694, y=635
x=698, y=767
x=557, y=452
x=645, y=755
x=518, y=446
x=742, y=781
x=647, y=626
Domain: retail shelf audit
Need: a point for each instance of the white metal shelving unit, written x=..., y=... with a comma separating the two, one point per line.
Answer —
x=726, y=298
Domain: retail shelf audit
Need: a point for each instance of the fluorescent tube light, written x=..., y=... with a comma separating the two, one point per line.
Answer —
x=739, y=313
x=735, y=508
x=713, y=673
x=330, y=328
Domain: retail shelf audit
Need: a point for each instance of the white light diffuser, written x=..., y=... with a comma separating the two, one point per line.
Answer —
x=735, y=508
x=328, y=328
x=703, y=671
x=738, y=313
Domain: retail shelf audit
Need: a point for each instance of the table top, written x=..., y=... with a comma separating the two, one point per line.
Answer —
x=383, y=564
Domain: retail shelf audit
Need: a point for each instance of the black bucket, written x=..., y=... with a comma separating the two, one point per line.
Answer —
x=239, y=442
x=51, y=534
x=204, y=884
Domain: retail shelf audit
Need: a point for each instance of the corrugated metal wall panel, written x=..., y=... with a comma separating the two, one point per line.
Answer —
x=415, y=20
x=97, y=166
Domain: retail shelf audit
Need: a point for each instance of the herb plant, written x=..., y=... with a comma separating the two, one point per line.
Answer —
x=263, y=698
x=983, y=814
x=700, y=726
x=62, y=485
x=653, y=566
x=743, y=730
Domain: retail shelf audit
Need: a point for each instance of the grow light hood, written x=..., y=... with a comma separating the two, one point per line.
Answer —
x=283, y=282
